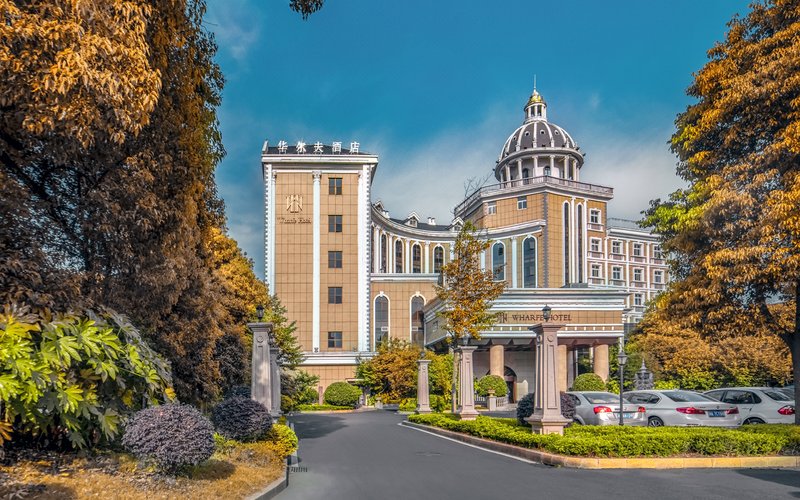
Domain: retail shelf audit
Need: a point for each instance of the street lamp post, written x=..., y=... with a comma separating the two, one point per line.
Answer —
x=622, y=358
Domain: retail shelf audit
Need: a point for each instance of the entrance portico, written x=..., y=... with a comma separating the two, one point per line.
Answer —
x=592, y=321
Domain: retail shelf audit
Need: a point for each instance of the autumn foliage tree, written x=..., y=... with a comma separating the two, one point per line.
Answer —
x=468, y=291
x=734, y=233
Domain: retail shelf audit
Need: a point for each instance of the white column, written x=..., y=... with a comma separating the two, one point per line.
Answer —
x=315, y=281
x=514, y=262
x=407, y=257
x=272, y=229
x=483, y=260
x=364, y=235
x=268, y=256
x=573, y=242
x=389, y=253
x=427, y=258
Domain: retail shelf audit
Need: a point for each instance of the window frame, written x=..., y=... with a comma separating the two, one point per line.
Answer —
x=334, y=187
x=333, y=337
x=491, y=207
x=522, y=202
x=335, y=295
x=616, y=273
x=335, y=257
x=616, y=247
x=637, y=249
x=598, y=268
x=335, y=224
x=592, y=242
x=594, y=216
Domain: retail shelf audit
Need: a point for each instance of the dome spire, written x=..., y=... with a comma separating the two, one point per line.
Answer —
x=536, y=109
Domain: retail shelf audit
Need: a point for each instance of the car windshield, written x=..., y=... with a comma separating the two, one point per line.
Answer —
x=687, y=397
x=777, y=395
x=602, y=398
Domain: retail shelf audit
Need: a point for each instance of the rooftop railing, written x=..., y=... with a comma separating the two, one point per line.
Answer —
x=523, y=184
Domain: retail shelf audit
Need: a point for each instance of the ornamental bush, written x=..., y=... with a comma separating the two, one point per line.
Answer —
x=488, y=382
x=342, y=394
x=242, y=419
x=524, y=408
x=439, y=403
x=308, y=396
x=282, y=440
x=588, y=382
x=171, y=436
x=71, y=380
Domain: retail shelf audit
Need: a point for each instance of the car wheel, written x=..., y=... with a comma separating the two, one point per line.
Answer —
x=655, y=422
x=753, y=421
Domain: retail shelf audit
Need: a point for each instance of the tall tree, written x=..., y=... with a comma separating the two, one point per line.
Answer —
x=734, y=234
x=467, y=290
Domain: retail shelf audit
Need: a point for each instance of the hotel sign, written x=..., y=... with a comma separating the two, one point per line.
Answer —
x=526, y=317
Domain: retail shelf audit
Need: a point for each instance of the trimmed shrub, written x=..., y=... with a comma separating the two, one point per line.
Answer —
x=238, y=390
x=524, y=408
x=588, y=382
x=488, y=382
x=439, y=403
x=308, y=396
x=282, y=440
x=615, y=441
x=242, y=419
x=322, y=408
x=342, y=394
x=288, y=404
x=171, y=436
x=408, y=404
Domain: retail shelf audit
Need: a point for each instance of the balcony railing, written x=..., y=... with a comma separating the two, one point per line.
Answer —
x=522, y=184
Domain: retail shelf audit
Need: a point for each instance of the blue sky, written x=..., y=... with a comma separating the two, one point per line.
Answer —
x=435, y=88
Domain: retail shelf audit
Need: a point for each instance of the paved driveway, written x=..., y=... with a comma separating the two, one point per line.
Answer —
x=369, y=456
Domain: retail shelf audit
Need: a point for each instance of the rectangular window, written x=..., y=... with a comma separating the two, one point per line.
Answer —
x=335, y=259
x=596, y=271
x=594, y=244
x=616, y=273
x=638, y=299
x=491, y=208
x=637, y=249
x=335, y=340
x=522, y=202
x=637, y=275
x=658, y=276
x=657, y=252
x=334, y=295
x=334, y=223
x=594, y=216
x=334, y=185
x=616, y=247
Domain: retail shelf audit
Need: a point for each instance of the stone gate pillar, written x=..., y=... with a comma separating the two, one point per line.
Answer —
x=275, y=382
x=423, y=395
x=261, y=384
x=466, y=389
x=547, y=418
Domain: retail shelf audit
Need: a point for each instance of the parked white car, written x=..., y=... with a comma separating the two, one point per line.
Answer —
x=602, y=408
x=758, y=405
x=684, y=408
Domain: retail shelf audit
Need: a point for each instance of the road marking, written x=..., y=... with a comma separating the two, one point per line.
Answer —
x=470, y=445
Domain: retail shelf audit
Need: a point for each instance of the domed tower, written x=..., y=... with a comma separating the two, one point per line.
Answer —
x=538, y=148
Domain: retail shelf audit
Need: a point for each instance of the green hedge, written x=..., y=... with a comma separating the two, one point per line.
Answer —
x=322, y=407
x=495, y=382
x=588, y=382
x=612, y=441
x=342, y=394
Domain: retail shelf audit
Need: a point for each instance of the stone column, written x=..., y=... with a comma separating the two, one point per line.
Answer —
x=466, y=388
x=547, y=418
x=423, y=398
x=275, y=381
x=261, y=384
x=562, y=368
x=601, y=361
x=497, y=362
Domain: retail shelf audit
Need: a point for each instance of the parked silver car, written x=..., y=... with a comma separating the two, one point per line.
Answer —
x=684, y=408
x=758, y=405
x=602, y=408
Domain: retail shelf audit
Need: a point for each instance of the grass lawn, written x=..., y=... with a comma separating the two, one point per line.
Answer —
x=627, y=442
x=235, y=471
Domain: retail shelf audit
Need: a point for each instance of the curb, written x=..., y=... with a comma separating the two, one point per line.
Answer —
x=615, y=463
x=273, y=488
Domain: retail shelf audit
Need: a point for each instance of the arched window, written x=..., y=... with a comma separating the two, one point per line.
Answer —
x=381, y=320
x=384, y=254
x=417, y=321
x=416, y=258
x=438, y=259
x=566, y=243
x=529, y=262
x=580, y=243
x=398, y=256
x=499, y=261
x=526, y=176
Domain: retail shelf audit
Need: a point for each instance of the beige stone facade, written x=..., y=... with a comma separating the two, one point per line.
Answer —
x=351, y=275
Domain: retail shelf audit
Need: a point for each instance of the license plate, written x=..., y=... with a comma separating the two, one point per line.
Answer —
x=628, y=415
x=716, y=413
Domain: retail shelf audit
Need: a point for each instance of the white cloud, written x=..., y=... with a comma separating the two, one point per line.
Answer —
x=236, y=26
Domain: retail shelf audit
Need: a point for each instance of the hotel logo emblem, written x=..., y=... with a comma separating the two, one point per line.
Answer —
x=294, y=203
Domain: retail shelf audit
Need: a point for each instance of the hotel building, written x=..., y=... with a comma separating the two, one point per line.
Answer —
x=352, y=275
